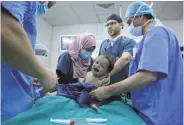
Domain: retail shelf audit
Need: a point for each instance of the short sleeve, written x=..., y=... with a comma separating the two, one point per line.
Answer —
x=129, y=46
x=17, y=9
x=154, y=56
x=102, y=48
x=64, y=63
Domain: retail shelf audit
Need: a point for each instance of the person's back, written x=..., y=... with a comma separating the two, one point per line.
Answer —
x=175, y=78
x=168, y=84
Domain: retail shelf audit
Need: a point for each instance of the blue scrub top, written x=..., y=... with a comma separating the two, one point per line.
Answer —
x=122, y=44
x=16, y=87
x=159, y=102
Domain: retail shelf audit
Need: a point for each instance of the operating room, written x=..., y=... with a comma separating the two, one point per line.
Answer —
x=92, y=62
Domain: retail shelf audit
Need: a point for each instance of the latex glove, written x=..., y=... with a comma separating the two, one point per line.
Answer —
x=101, y=93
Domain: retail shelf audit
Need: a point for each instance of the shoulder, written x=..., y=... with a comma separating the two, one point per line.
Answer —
x=88, y=73
x=104, y=42
x=88, y=76
x=64, y=61
x=127, y=40
x=159, y=30
x=65, y=56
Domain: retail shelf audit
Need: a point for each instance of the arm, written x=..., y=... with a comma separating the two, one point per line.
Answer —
x=16, y=48
x=65, y=78
x=125, y=58
x=64, y=69
x=134, y=82
x=151, y=66
x=85, y=79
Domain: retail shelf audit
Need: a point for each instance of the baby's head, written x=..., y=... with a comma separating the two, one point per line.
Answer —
x=103, y=65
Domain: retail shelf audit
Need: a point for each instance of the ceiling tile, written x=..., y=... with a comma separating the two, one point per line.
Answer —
x=85, y=12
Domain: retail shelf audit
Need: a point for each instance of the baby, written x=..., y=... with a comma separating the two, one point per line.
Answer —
x=101, y=68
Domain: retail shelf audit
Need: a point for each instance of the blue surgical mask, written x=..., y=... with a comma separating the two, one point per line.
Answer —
x=42, y=8
x=136, y=31
x=85, y=55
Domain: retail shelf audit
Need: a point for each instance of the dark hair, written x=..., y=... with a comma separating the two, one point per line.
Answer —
x=148, y=16
x=51, y=3
x=111, y=60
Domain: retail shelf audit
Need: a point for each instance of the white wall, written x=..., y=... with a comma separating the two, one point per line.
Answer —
x=177, y=27
x=44, y=37
x=99, y=30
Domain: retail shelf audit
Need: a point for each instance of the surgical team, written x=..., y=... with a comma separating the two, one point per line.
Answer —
x=149, y=72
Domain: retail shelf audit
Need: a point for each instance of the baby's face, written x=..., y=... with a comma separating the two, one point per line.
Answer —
x=100, y=67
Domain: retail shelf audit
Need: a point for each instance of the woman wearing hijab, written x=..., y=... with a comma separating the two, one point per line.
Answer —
x=75, y=63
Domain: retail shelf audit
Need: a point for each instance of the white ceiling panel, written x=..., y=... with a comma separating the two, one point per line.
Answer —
x=86, y=16
x=101, y=10
x=103, y=17
x=86, y=12
x=63, y=14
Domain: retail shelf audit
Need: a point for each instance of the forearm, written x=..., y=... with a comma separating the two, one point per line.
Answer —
x=120, y=64
x=134, y=82
x=16, y=48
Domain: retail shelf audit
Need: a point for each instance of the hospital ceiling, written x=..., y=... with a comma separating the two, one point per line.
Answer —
x=87, y=12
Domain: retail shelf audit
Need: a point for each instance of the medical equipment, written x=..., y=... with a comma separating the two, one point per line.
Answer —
x=96, y=120
x=79, y=121
x=62, y=121
x=41, y=50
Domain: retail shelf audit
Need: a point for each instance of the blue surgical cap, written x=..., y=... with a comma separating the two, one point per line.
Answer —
x=132, y=10
x=114, y=17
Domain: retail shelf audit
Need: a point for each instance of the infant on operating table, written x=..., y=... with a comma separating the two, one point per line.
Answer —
x=101, y=68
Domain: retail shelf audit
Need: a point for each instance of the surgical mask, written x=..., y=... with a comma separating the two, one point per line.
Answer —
x=85, y=55
x=136, y=31
x=42, y=8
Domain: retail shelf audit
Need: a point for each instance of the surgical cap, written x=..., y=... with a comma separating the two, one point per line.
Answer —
x=114, y=17
x=132, y=10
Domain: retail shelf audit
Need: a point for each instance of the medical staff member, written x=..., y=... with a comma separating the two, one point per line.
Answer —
x=75, y=63
x=18, y=36
x=119, y=46
x=155, y=80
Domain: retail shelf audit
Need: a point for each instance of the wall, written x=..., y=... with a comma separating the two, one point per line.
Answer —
x=99, y=30
x=44, y=36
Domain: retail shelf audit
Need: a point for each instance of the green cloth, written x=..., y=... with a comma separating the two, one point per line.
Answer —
x=58, y=107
